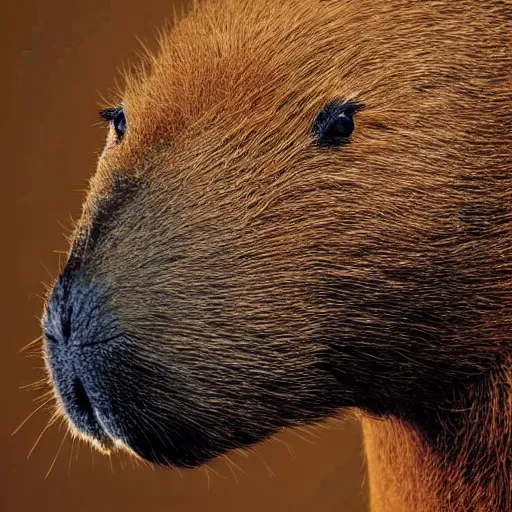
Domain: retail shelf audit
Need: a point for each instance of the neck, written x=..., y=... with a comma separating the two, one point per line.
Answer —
x=461, y=461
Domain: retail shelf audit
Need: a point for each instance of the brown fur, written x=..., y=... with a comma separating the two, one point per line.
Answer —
x=280, y=281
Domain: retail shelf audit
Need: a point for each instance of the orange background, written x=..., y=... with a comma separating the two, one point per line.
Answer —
x=59, y=57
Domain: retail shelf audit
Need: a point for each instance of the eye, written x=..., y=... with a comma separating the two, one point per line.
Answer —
x=335, y=123
x=117, y=117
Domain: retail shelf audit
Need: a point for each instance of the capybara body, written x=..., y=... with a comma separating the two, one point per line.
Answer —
x=245, y=263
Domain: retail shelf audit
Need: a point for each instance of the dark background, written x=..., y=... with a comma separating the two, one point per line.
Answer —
x=59, y=58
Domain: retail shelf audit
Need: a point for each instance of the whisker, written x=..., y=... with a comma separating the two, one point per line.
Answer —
x=41, y=368
x=232, y=463
x=208, y=479
x=42, y=298
x=57, y=454
x=308, y=432
x=71, y=455
x=44, y=396
x=66, y=229
x=296, y=434
x=31, y=344
x=34, y=386
x=242, y=452
x=49, y=273
x=216, y=473
x=38, y=408
x=51, y=421
x=226, y=459
x=289, y=447
x=136, y=462
x=271, y=474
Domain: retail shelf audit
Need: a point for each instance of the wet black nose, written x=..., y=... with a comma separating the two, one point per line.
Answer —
x=78, y=329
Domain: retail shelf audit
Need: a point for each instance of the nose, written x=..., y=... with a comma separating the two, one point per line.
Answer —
x=78, y=328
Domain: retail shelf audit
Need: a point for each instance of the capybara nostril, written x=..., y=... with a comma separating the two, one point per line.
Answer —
x=66, y=323
x=77, y=325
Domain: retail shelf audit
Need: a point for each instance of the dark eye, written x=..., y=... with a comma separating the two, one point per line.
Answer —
x=335, y=123
x=117, y=117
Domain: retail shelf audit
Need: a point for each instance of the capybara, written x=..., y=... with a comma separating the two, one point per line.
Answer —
x=304, y=206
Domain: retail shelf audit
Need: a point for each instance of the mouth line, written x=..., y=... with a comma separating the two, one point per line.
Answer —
x=82, y=401
x=102, y=340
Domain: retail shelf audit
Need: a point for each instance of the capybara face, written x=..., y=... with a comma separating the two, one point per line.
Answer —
x=301, y=207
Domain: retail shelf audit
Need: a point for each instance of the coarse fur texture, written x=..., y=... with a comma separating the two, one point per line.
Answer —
x=230, y=276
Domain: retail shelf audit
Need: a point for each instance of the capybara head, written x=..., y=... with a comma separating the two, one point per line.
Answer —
x=301, y=206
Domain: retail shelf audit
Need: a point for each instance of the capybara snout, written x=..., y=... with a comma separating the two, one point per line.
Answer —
x=163, y=350
x=301, y=206
x=76, y=330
